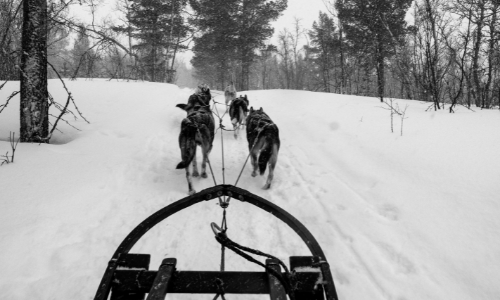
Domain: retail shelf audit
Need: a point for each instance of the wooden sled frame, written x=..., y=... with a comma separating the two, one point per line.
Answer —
x=128, y=275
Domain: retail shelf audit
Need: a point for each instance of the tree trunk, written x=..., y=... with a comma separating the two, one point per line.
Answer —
x=342, y=71
x=380, y=71
x=475, y=60
x=34, y=108
x=491, y=54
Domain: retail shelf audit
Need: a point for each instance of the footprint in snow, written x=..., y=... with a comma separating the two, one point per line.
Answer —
x=389, y=211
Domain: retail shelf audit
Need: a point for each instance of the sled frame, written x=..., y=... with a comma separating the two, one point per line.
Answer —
x=122, y=258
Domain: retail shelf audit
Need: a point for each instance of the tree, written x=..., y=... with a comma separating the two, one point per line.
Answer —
x=231, y=33
x=10, y=39
x=34, y=95
x=215, y=49
x=324, y=41
x=254, y=28
x=372, y=27
x=159, y=28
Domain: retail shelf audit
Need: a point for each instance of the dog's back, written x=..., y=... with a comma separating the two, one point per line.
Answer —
x=198, y=128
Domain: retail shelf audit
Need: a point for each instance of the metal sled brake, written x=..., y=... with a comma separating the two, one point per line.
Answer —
x=128, y=277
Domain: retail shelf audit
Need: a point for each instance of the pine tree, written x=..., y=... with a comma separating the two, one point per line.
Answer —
x=158, y=27
x=215, y=50
x=373, y=27
x=232, y=31
x=324, y=41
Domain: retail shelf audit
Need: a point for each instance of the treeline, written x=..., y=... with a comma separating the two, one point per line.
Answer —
x=144, y=44
x=447, y=54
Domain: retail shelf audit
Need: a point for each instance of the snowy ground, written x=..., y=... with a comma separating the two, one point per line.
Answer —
x=399, y=217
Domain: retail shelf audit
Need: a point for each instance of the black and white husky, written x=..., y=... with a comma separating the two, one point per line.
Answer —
x=263, y=143
x=197, y=129
x=238, y=111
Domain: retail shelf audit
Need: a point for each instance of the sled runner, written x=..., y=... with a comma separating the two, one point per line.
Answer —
x=127, y=275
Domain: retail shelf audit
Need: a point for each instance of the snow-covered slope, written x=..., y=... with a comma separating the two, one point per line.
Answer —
x=399, y=217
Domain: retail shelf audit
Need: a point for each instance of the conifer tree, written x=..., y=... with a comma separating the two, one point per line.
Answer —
x=158, y=27
x=232, y=31
x=324, y=40
x=373, y=27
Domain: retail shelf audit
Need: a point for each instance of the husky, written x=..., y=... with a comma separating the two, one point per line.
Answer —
x=229, y=93
x=263, y=143
x=201, y=96
x=197, y=129
x=238, y=111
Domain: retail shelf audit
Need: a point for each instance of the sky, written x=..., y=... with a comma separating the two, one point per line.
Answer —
x=306, y=10
x=399, y=216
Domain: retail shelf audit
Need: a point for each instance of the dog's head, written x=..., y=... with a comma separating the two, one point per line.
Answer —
x=190, y=107
x=259, y=113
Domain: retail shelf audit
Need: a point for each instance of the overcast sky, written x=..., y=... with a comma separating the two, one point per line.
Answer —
x=306, y=10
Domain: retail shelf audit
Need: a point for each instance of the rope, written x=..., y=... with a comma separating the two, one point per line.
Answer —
x=286, y=280
x=224, y=204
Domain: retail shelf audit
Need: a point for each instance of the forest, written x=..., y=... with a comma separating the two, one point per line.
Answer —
x=445, y=52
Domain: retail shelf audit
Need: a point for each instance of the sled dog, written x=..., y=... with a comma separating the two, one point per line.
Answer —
x=201, y=97
x=238, y=111
x=197, y=129
x=229, y=93
x=263, y=143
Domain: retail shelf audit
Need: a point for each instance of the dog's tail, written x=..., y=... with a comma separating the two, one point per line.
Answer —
x=269, y=152
x=187, y=143
x=242, y=114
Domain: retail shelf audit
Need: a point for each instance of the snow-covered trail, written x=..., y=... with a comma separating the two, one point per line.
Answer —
x=396, y=218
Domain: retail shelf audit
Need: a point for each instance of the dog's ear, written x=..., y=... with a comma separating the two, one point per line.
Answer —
x=181, y=106
x=251, y=109
x=260, y=109
x=246, y=98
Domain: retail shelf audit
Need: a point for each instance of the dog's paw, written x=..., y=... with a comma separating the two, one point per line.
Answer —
x=266, y=187
x=254, y=174
x=204, y=175
x=191, y=192
x=196, y=174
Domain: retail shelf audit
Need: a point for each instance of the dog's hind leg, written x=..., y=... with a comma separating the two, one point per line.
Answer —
x=204, y=164
x=190, y=183
x=272, y=164
x=255, y=153
x=253, y=158
x=235, y=127
x=195, y=165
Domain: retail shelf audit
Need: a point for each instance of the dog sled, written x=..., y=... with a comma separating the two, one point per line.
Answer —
x=127, y=275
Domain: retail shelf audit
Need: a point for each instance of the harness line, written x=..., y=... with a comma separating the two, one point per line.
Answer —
x=224, y=204
x=222, y=237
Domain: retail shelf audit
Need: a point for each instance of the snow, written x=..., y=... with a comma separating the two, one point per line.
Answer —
x=399, y=217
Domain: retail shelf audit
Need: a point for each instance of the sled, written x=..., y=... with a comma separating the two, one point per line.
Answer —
x=127, y=275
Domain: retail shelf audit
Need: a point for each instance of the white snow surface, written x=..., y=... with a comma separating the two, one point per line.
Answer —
x=399, y=217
